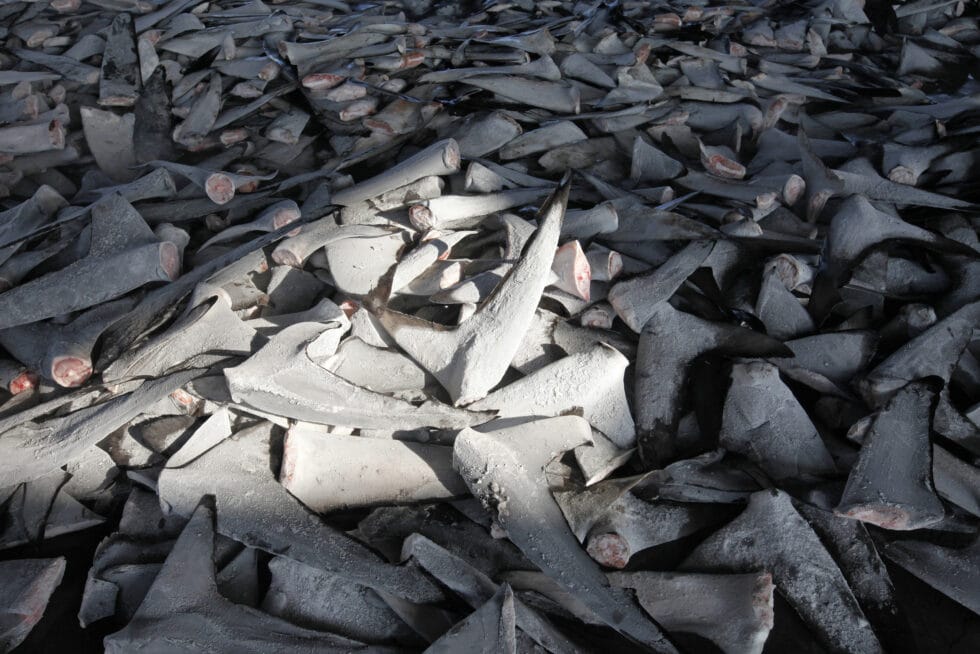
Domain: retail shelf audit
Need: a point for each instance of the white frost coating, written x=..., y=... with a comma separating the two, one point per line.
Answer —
x=441, y=158
x=592, y=380
x=469, y=359
x=733, y=611
x=332, y=472
x=504, y=469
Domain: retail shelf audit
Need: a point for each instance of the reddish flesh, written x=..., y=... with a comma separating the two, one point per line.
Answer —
x=70, y=372
x=610, y=550
x=283, y=217
x=25, y=381
x=725, y=167
x=219, y=188
x=886, y=517
x=170, y=259
x=322, y=80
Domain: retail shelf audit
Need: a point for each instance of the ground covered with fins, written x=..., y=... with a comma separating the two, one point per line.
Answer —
x=502, y=326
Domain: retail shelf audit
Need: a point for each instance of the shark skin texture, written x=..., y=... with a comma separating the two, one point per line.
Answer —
x=557, y=327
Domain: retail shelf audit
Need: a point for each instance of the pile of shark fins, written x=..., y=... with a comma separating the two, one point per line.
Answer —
x=499, y=327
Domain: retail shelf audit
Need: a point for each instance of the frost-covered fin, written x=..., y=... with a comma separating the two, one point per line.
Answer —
x=469, y=359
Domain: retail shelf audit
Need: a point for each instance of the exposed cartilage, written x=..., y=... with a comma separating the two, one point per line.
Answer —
x=15, y=378
x=219, y=186
x=124, y=255
x=636, y=299
x=27, y=138
x=68, y=358
x=572, y=269
x=493, y=334
x=464, y=211
x=630, y=525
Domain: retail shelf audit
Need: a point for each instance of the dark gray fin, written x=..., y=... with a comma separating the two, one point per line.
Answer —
x=119, y=85
x=891, y=484
x=154, y=125
x=31, y=450
x=270, y=519
x=802, y=569
x=634, y=298
x=26, y=585
x=763, y=420
x=117, y=227
x=953, y=571
x=504, y=468
x=488, y=630
x=670, y=341
x=828, y=362
x=184, y=609
x=933, y=353
x=673, y=599
x=88, y=282
x=852, y=546
x=476, y=588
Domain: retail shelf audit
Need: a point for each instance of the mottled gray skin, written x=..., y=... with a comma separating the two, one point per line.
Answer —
x=733, y=611
x=634, y=299
x=31, y=450
x=161, y=304
x=441, y=158
x=119, y=84
x=891, y=484
x=669, y=342
x=208, y=333
x=504, y=469
x=953, y=571
x=803, y=571
x=851, y=546
x=763, y=420
x=469, y=359
x=24, y=219
x=282, y=379
x=322, y=600
x=269, y=518
x=592, y=380
x=488, y=630
x=26, y=586
x=124, y=255
x=184, y=612
x=476, y=588
x=933, y=353
x=854, y=230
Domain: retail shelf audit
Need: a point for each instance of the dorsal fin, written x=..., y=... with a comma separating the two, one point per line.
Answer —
x=186, y=579
x=117, y=226
x=488, y=629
